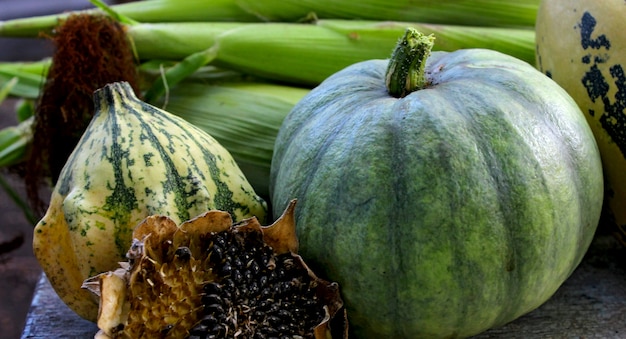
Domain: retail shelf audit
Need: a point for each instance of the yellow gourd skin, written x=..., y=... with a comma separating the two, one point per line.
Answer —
x=581, y=44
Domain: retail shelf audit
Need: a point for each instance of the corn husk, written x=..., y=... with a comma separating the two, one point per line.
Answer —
x=143, y=11
x=491, y=13
x=500, y=13
x=306, y=54
x=29, y=75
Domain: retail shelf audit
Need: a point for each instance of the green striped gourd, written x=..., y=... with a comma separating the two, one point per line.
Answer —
x=134, y=160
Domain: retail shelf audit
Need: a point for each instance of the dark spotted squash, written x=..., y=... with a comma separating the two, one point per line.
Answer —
x=581, y=44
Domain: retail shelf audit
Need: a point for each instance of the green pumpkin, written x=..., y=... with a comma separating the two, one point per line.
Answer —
x=453, y=209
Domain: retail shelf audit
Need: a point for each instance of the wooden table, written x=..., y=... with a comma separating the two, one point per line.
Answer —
x=591, y=304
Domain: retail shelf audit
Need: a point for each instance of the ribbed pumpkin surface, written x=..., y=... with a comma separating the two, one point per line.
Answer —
x=452, y=210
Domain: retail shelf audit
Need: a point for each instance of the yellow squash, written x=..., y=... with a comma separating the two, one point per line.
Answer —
x=581, y=44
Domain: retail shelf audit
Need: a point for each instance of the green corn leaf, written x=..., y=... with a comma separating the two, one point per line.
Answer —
x=24, y=109
x=30, y=77
x=14, y=142
x=6, y=88
x=179, y=71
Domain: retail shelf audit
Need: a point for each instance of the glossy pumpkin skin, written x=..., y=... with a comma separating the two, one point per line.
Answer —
x=457, y=208
x=581, y=45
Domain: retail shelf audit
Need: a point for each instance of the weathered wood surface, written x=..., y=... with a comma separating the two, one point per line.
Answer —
x=591, y=304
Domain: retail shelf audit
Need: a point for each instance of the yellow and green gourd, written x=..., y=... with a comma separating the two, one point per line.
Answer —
x=134, y=160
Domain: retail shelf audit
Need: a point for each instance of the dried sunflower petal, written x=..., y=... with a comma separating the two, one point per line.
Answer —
x=210, y=278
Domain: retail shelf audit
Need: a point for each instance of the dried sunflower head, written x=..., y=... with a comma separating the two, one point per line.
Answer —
x=210, y=278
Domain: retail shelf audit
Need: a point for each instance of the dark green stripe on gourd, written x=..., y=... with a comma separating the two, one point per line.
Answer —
x=184, y=187
x=134, y=160
x=122, y=199
x=174, y=183
x=454, y=208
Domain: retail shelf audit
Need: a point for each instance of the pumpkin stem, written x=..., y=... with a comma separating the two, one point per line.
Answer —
x=405, y=72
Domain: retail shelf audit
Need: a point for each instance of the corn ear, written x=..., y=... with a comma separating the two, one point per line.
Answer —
x=142, y=11
x=500, y=13
x=188, y=10
x=176, y=41
x=306, y=54
x=494, y=13
x=243, y=116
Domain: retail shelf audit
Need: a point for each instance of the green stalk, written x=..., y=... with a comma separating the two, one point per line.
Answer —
x=405, y=72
